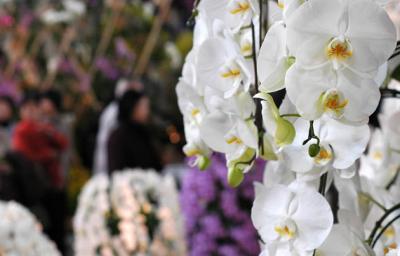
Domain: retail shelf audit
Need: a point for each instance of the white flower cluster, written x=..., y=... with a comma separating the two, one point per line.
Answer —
x=20, y=233
x=331, y=59
x=71, y=10
x=135, y=212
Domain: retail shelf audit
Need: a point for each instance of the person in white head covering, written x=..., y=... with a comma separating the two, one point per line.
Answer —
x=108, y=122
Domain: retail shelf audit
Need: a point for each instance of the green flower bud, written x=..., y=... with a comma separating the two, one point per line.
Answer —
x=203, y=162
x=285, y=132
x=235, y=176
x=237, y=167
x=267, y=152
x=313, y=150
x=290, y=61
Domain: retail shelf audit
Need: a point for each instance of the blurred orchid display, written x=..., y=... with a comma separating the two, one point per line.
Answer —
x=134, y=212
x=20, y=233
x=86, y=45
x=331, y=183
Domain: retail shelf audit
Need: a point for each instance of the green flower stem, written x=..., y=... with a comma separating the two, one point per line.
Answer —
x=384, y=229
x=390, y=93
x=370, y=198
x=291, y=115
x=379, y=223
x=311, y=134
x=322, y=184
x=258, y=117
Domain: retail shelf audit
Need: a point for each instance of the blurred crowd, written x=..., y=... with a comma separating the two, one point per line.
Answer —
x=41, y=143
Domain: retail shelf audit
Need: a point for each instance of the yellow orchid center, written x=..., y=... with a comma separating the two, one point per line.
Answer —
x=231, y=73
x=339, y=50
x=334, y=103
x=192, y=152
x=240, y=7
x=286, y=229
x=324, y=156
x=390, y=232
x=281, y=5
x=377, y=155
x=246, y=49
x=195, y=112
x=390, y=246
x=233, y=140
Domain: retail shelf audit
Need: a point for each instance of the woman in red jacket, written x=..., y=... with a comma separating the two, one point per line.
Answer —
x=41, y=143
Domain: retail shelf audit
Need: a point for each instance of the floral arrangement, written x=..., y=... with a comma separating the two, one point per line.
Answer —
x=330, y=60
x=86, y=45
x=20, y=233
x=216, y=215
x=134, y=212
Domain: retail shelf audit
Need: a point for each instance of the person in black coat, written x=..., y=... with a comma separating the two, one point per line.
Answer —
x=130, y=144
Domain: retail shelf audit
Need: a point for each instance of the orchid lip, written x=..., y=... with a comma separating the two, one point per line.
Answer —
x=334, y=103
x=339, y=49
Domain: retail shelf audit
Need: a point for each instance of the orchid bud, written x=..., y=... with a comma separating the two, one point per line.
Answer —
x=285, y=132
x=235, y=176
x=237, y=167
x=267, y=151
x=203, y=162
x=313, y=150
x=290, y=61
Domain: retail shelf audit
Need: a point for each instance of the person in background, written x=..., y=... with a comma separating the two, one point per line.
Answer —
x=7, y=108
x=50, y=106
x=130, y=144
x=44, y=145
x=20, y=179
x=108, y=122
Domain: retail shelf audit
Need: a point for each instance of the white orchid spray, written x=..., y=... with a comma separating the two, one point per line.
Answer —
x=330, y=58
x=134, y=212
x=21, y=234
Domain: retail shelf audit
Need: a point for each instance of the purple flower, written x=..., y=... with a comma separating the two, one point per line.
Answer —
x=212, y=226
x=228, y=250
x=217, y=216
x=122, y=49
x=107, y=68
x=9, y=88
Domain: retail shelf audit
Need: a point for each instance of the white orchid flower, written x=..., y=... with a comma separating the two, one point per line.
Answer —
x=378, y=165
x=342, y=241
x=382, y=74
x=234, y=13
x=221, y=65
x=388, y=242
x=273, y=60
x=193, y=109
x=195, y=146
x=236, y=138
x=337, y=32
x=393, y=131
x=229, y=134
x=241, y=104
x=300, y=218
x=359, y=196
x=276, y=172
x=190, y=102
x=340, y=94
x=340, y=146
x=274, y=250
x=393, y=252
